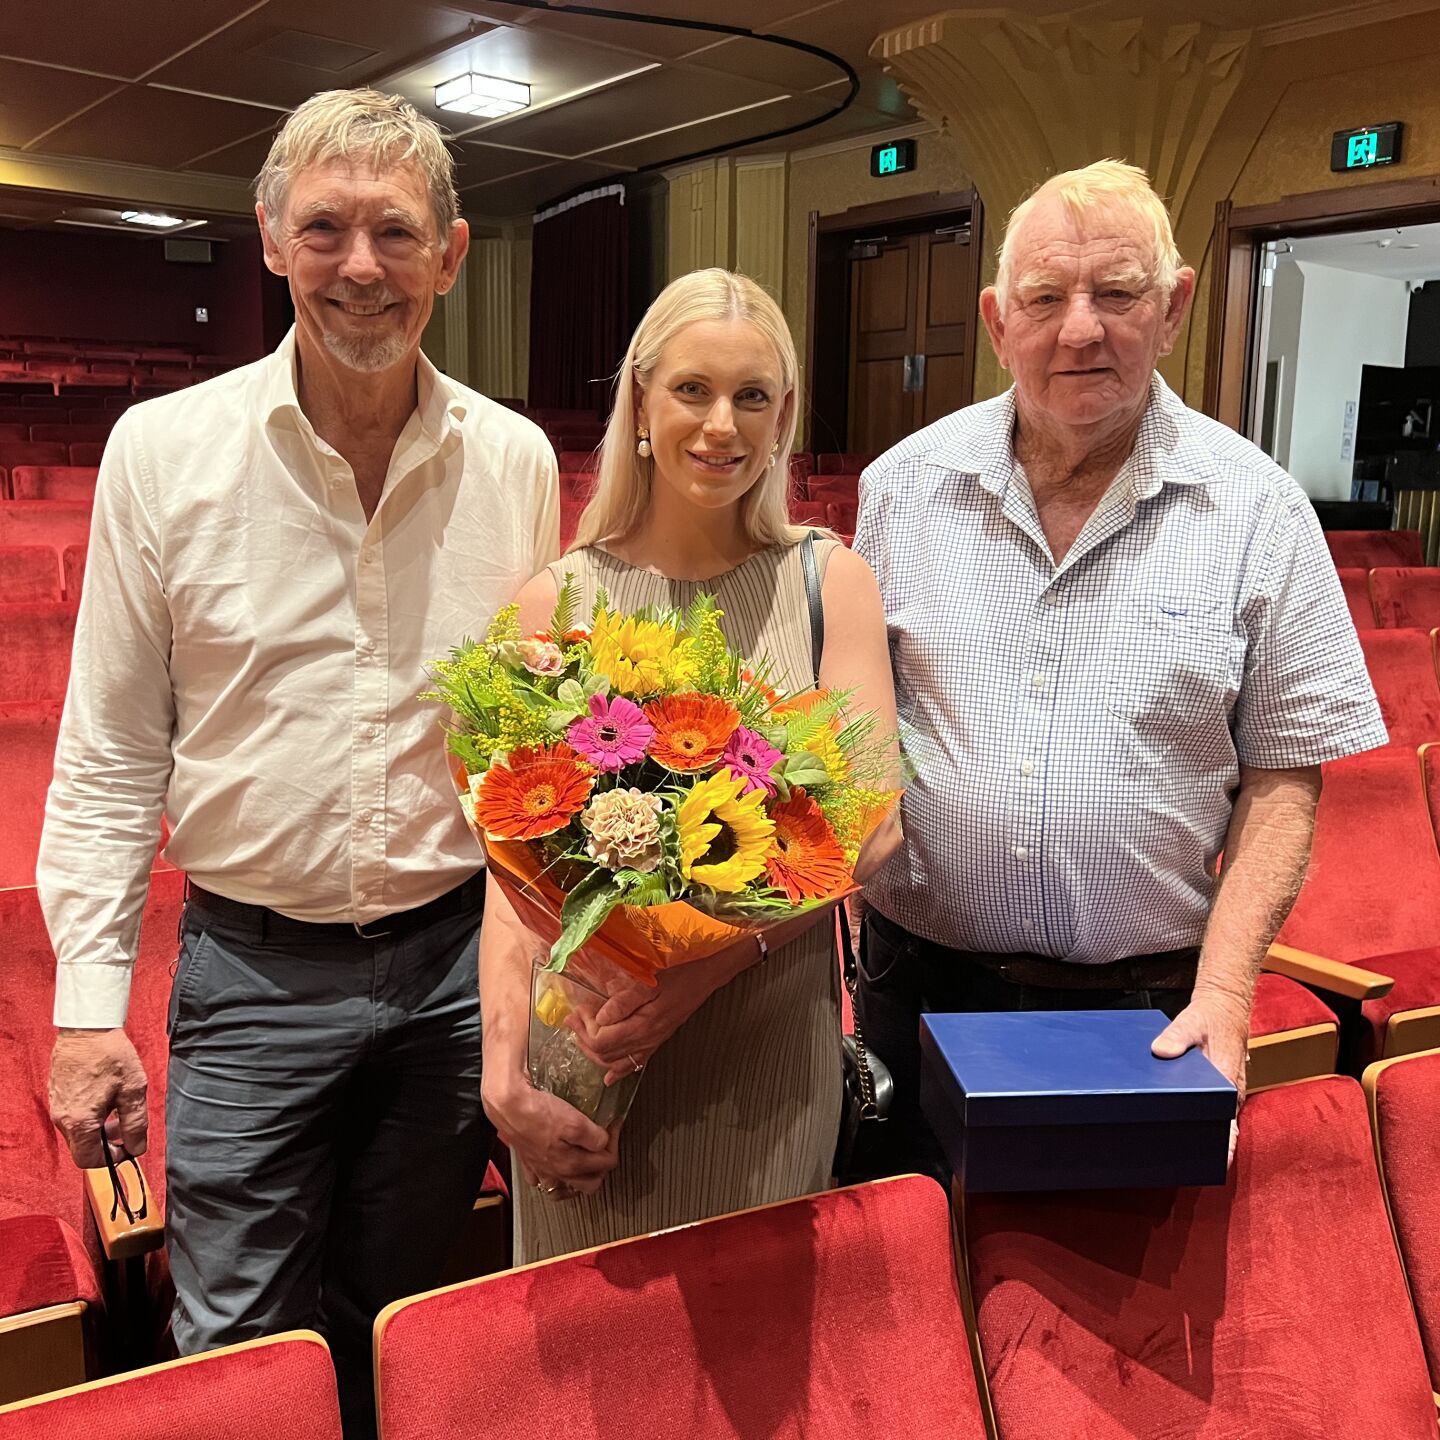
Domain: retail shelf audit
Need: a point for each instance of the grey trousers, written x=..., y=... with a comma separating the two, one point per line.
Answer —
x=325, y=1134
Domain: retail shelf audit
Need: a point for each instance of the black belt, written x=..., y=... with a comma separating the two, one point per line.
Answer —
x=1168, y=970
x=261, y=923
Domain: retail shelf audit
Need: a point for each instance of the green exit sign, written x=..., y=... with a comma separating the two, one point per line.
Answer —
x=1366, y=147
x=894, y=157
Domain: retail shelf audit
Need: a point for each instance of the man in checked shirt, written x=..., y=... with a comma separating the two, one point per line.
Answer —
x=1120, y=646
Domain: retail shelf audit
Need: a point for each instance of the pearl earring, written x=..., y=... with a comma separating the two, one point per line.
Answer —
x=774, y=453
x=643, y=448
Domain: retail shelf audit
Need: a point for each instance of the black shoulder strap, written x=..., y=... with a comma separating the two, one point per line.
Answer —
x=817, y=606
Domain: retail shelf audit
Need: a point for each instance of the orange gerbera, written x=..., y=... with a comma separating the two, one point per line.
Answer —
x=691, y=730
x=805, y=859
x=536, y=793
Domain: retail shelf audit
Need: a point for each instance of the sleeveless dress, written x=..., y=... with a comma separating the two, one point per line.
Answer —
x=741, y=1106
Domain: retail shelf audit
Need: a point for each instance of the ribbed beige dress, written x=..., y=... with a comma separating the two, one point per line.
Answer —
x=741, y=1106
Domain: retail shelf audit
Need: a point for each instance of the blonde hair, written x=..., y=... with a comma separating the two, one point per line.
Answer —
x=359, y=126
x=622, y=489
x=1106, y=182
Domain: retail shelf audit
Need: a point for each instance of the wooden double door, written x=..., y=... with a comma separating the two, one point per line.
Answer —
x=913, y=315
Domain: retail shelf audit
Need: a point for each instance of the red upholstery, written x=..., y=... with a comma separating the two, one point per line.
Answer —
x=28, y=572
x=1356, y=585
x=1405, y=1103
x=578, y=462
x=72, y=570
x=281, y=1388
x=71, y=433
x=1272, y=1306
x=842, y=518
x=1402, y=670
x=86, y=452
x=1284, y=1004
x=35, y=658
x=834, y=487
x=36, y=522
x=14, y=430
x=833, y=1315
x=842, y=464
x=802, y=467
x=1417, y=987
x=809, y=512
x=42, y=1262
x=27, y=757
x=32, y=452
x=1406, y=597
x=1366, y=549
x=54, y=482
x=570, y=511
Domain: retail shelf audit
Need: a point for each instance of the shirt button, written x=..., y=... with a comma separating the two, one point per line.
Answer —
x=366, y=817
x=1026, y=924
x=371, y=732
x=1021, y=853
x=1027, y=767
x=336, y=481
x=1051, y=598
x=364, y=898
x=368, y=556
x=1038, y=681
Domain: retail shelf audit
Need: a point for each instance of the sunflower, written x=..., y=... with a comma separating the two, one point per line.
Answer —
x=805, y=858
x=536, y=793
x=637, y=656
x=724, y=835
x=825, y=743
x=691, y=730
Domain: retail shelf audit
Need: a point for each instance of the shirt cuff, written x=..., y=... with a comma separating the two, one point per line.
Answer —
x=93, y=996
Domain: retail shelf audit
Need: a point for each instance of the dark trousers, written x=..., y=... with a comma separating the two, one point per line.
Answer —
x=325, y=1136
x=902, y=977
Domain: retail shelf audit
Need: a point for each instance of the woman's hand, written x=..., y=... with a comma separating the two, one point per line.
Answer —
x=554, y=1143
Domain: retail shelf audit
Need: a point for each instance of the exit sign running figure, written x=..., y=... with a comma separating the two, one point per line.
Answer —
x=895, y=157
x=1366, y=147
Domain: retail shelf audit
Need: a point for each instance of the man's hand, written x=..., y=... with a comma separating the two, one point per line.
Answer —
x=93, y=1072
x=1221, y=1029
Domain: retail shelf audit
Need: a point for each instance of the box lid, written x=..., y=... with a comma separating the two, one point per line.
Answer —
x=1070, y=1067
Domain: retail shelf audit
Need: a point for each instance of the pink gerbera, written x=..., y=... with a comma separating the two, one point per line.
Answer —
x=614, y=735
x=751, y=757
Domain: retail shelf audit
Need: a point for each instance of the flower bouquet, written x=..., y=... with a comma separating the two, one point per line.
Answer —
x=645, y=798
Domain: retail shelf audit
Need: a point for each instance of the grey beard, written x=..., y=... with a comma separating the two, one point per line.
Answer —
x=367, y=356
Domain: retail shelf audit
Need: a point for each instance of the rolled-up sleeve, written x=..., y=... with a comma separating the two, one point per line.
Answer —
x=1306, y=696
x=113, y=758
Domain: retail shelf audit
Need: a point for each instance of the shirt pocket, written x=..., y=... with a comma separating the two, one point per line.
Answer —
x=1171, y=666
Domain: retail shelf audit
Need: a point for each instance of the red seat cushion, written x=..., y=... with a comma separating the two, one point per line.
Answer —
x=1210, y=1313
x=282, y=1388
x=42, y=1262
x=1284, y=1004
x=1417, y=987
x=1367, y=548
x=54, y=482
x=28, y=572
x=833, y=1315
x=1406, y=1101
x=1356, y=585
x=1406, y=598
x=1402, y=669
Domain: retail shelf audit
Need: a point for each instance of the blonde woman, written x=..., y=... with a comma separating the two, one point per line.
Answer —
x=742, y=1099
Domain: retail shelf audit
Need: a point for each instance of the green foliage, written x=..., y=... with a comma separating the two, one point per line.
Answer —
x=566, y=612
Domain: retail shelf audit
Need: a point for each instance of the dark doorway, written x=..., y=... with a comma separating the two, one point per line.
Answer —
x=894, y=290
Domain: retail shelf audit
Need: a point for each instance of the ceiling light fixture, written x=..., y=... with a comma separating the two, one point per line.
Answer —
x=153, y=219
x=483, y=95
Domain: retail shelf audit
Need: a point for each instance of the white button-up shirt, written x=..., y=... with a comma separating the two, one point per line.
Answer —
x=249, y=655
x=1078, y=728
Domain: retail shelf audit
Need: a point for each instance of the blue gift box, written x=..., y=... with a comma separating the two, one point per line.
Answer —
x=1071, y=1100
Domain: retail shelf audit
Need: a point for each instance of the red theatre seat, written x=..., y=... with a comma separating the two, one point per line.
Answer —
x=279, y=1388
x=842, y=464
x=86, y=453
x=1402, y=669
x=27, y=759
x=748, y=1325
x=32, y=452
x=12, y=432
x=834, y=487
x=44, y=522
x=1365, y=549
x=28, y=572
x=35, y=658
x=809, y=512
x=54, y=482
x=579, y=462
x=1356, y=585
x=1406, y=598
x=1271, y=1306
x=1404, y=1097
x=70, y=433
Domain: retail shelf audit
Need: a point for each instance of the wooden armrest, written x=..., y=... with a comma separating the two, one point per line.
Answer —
x=1326, y=974
x=121, y=1238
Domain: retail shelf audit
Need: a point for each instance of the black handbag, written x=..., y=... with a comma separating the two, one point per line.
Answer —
x=868, y=1088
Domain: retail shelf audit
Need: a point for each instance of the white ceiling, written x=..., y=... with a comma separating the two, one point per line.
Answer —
x=1412, y=253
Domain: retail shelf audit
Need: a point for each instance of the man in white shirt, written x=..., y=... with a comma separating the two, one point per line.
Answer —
x=275, y=555
x=1120, y=647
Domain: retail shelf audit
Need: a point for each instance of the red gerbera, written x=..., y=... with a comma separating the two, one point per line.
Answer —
x=691, y=730
x=539, y=791
x=805, y=859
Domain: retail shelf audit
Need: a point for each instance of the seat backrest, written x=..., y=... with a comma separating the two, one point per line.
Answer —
x=1273, y=1305
x=70, y=433
x=28, y=572
x=579, y=461
x=755, y=1324
x=834, y=487
x=278, y=1388
x=1404, y=1097
x=809, y=512
x=54, y=482
x=44, y=522
x=1356, y=585
x=12, y=431
x=32, y=452
x=27, y=760
x=842, y=464
x=1406, y=597
x=86, y=453
x=35, y=658
x=1373, y=885
x=1366, y=549
x=1402, y=670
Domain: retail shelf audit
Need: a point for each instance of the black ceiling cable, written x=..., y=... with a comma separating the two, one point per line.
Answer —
x=713, y=28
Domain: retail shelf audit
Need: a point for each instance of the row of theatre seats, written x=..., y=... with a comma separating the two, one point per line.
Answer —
x=77, y=366
x=1299, y=1301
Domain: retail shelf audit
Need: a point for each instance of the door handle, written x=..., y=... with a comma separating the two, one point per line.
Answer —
x=914, y=374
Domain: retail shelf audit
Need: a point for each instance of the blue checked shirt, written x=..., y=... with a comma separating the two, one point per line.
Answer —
x=1078, y=729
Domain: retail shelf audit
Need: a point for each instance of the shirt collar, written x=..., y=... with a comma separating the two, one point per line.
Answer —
x=440, y=404
x=1167, y=450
